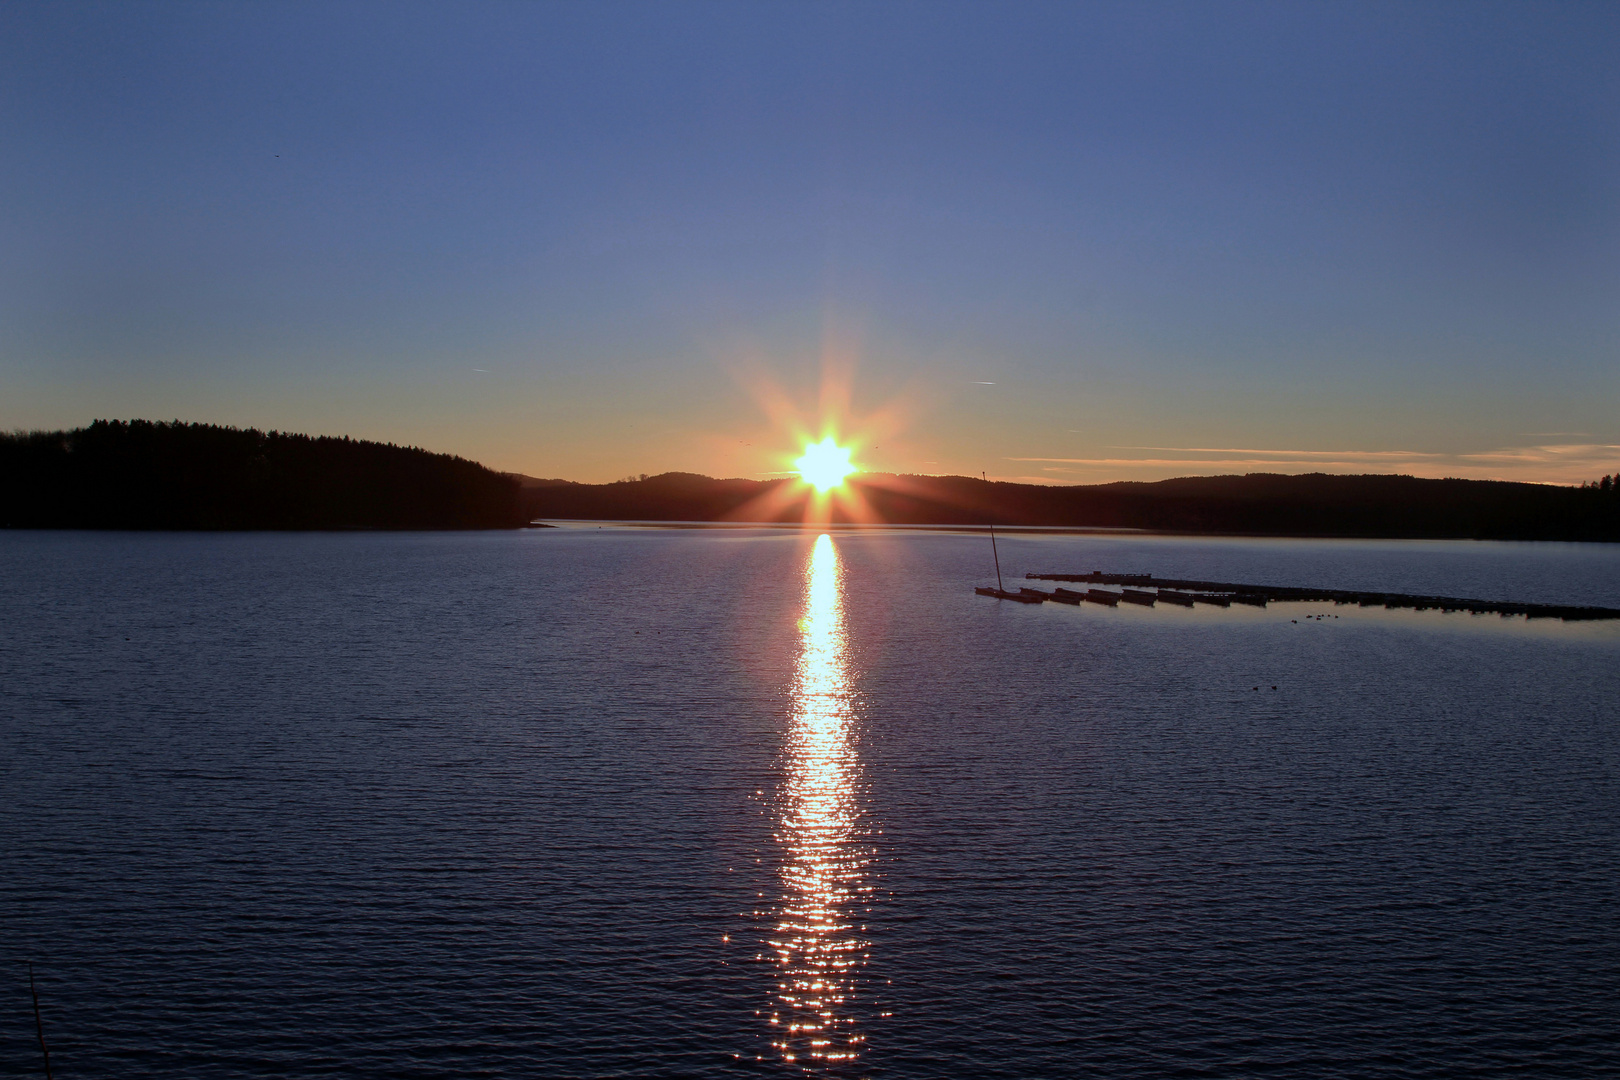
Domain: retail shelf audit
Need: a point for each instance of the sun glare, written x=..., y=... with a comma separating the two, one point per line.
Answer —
x=825, y=464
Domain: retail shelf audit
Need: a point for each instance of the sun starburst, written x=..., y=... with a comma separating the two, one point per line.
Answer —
x=825, y=464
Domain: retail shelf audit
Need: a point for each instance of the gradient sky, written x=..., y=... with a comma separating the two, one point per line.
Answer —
x=1069, y=243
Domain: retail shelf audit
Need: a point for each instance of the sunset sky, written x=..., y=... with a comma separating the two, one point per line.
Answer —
x=1066, y=243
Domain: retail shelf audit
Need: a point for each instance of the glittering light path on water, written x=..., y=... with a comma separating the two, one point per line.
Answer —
x=818, y=940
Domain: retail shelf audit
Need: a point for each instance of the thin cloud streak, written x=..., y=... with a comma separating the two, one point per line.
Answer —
x=1316, y=463
x=1570, y=463
x=1358, y=454
x=1594, y=452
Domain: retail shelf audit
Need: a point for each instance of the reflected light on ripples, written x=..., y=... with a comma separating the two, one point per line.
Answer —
x=818, y=942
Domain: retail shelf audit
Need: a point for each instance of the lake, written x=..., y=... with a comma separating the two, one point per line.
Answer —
x=654, y=802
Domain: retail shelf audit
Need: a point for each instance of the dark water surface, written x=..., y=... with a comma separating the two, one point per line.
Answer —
x=653, y=803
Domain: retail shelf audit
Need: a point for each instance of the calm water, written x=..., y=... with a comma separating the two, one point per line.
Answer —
x=657, y=803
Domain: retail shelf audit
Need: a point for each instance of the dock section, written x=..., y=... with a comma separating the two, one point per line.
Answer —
x=1185, y=592
x=1023, y=596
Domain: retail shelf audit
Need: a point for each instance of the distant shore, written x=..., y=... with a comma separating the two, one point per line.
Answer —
x=1258, y=505
x=850, y=526
x=141, y=474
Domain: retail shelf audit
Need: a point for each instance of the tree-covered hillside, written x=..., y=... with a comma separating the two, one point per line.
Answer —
x=1257, y=504
x=144, y=475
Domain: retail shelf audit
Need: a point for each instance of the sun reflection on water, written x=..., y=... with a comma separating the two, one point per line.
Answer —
x=817, y=937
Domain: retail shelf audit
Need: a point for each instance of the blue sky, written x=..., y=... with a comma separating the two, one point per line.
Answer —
x=1061, y=242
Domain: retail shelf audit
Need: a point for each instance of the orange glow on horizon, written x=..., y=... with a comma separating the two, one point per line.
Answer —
x=825, y=485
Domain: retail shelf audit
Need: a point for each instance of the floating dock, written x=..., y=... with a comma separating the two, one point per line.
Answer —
x=1023, y=596
x=1225, y=593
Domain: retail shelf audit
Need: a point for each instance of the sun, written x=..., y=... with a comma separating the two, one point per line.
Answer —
x=825, y=464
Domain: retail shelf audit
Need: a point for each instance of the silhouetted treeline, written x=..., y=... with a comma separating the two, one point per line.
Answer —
x=674, y=496
x=145, y=475
x=1609, y=485
x=1264, y=504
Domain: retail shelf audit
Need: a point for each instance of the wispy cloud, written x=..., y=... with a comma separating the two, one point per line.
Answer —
x=1267, y=462
x=1356, y=454
x=1561, y=463
x=1569, y=453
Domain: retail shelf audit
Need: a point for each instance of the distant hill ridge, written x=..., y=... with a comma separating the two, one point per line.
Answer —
x=1266, y=504
x=140, y=474
x=145, y=475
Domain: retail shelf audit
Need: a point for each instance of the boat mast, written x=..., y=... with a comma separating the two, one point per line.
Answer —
x=993, y=554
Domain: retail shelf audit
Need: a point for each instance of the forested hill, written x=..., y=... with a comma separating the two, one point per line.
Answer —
x=144, y=475
x=1257, y=504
